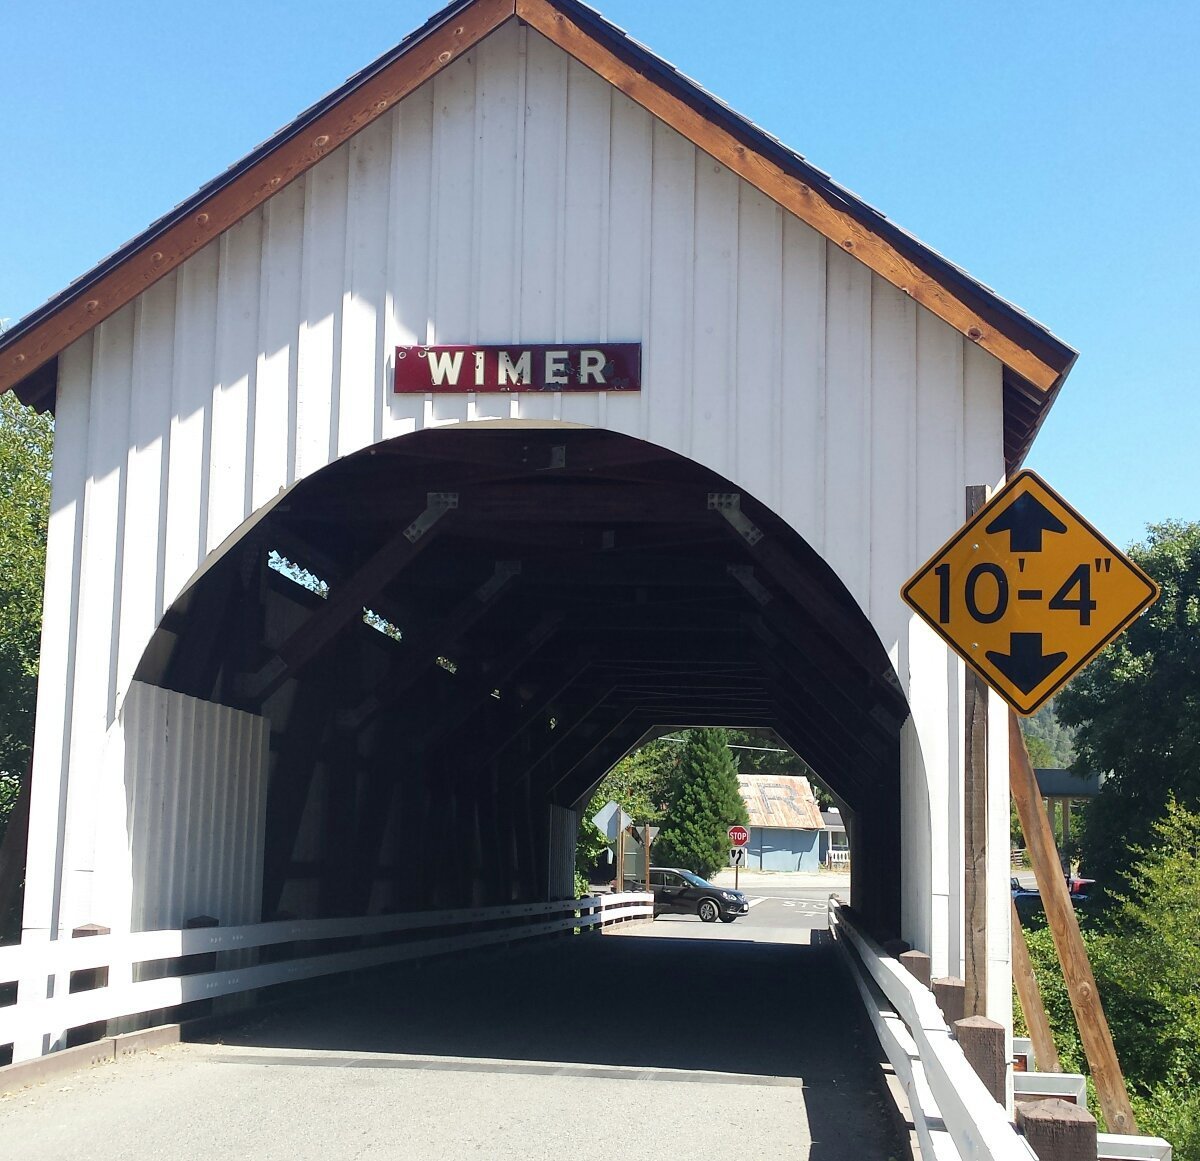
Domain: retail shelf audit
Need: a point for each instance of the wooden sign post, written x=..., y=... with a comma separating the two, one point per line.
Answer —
x=1030, y=995
x=975, y=822
x=1064, y=926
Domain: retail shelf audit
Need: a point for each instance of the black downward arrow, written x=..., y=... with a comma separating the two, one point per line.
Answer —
x=1025, y=519
x=1025, y=665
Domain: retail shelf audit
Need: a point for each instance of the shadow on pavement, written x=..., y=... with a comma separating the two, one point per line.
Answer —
x=762, y=1013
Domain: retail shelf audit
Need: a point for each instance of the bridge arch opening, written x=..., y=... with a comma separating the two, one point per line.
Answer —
x=442, y=643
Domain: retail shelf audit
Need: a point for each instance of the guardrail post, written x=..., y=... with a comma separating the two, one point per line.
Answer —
x=86, y=980
x=982, y=1043
x=1058, y=1130
x=919, y=966
x=951, y=995
x=194, y=965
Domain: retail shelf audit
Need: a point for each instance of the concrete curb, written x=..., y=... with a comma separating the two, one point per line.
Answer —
x=71, y=1060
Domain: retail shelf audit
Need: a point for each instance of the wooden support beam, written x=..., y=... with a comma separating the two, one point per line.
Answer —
x=1064, y=926
x=1030, y=996
x=827, y=672
x=816, y=596
x=975, y=821
x=426, y=645
x=495, y=675
x=345, y=603
x=291, y=780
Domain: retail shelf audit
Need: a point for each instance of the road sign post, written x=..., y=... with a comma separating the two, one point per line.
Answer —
x=739, y=836
x=1027, y=592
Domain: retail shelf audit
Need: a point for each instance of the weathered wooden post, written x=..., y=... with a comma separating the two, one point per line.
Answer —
x=1058, y=1130
x=982, y=1042
x=918, y=964
x=951, y=995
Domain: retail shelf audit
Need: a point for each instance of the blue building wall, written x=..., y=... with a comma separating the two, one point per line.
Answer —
x=775, y=849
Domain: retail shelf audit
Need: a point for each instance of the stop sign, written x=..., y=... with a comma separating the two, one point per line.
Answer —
x=739, y=836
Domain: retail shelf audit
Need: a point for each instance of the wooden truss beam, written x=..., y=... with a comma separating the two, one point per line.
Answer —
x=346, y=602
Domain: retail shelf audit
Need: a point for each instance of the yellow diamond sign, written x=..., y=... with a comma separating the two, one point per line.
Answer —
x=1027, y=592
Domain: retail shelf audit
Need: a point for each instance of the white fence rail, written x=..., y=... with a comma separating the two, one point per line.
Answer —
x=33, y=965
x=955, y=1116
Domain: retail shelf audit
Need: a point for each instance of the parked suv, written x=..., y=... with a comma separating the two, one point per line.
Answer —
x=679, y=892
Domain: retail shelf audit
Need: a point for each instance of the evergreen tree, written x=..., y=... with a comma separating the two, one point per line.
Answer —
x=705, y=802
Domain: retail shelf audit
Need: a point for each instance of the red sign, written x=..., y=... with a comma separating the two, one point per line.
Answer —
x=590, y=367
x=739, y=836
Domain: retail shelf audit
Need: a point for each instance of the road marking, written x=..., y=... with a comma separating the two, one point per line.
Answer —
x=756, y=902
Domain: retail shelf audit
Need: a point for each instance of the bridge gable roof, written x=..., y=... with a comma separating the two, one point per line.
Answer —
x=1035, y=361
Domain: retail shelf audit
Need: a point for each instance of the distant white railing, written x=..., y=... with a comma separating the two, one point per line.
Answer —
x=955, y=1117
x=838, y=857
x=33, y=964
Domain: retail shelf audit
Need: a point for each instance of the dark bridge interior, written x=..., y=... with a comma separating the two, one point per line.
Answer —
x=547, y=598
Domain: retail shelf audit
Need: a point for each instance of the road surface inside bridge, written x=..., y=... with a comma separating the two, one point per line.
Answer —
x=675, y=1039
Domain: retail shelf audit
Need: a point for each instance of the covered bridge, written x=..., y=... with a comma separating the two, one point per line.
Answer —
x=558, y=572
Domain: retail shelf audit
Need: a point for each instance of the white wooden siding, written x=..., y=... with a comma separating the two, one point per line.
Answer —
x=194, y=775
x=516, y=197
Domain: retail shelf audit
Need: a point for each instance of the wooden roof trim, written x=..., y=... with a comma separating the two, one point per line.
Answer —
x=1026, y=349
x=802, y=199
x=157, y=254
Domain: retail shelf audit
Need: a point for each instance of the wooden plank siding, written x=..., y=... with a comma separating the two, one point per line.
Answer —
x=516, y=197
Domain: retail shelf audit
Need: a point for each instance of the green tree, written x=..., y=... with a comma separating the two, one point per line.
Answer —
x=25, y=446
x=1145, y=951
x=1136, y=708
x=1054, y=740
x=640, y=784
x=705, y=802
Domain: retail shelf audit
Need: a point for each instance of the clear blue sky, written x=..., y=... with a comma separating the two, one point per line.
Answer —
x=1051, y=149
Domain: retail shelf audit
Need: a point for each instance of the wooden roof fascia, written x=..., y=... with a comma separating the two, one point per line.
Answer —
x=1028, y=351
x=801, y=195
x=223, y=203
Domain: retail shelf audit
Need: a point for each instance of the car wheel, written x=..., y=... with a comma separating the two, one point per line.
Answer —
x=707, y=911
x=728, y=918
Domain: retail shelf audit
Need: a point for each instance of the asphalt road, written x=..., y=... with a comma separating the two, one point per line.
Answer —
x=675, y=1039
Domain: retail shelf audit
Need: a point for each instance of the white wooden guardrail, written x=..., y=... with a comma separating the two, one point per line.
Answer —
x=955, y=1116
x=32, y=965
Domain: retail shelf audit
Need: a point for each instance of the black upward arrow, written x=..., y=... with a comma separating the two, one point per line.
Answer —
x=1025, y=665
x=1025, y=519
